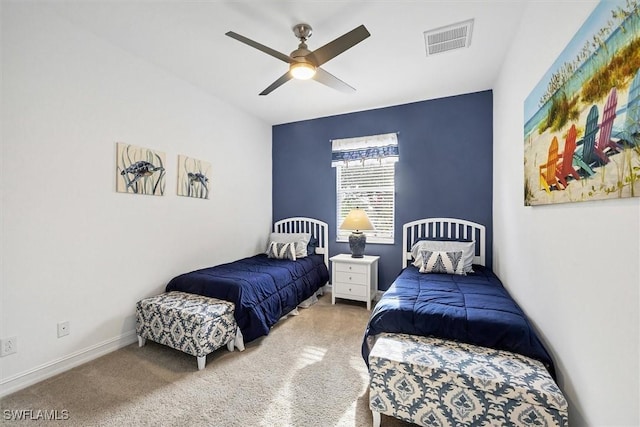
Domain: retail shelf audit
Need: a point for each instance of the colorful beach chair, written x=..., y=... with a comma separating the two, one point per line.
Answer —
x=586, y=155
x=604, y=138
x=548, y=177
x=565, y=167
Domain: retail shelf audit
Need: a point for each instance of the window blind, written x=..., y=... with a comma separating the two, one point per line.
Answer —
x=365, y=169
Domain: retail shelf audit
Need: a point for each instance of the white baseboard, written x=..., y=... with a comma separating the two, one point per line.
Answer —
x=57, y=366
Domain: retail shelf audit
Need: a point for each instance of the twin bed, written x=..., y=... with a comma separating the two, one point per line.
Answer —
x=474, y=308
x=265, y=289
x=447, y=347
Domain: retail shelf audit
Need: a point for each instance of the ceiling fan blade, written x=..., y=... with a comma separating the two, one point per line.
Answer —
x=332, y=81
x=263, y=48
x=337, y=46
x=282, y=80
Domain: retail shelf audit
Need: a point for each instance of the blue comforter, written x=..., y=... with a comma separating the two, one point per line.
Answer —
x=475, y=309
x=263, y=289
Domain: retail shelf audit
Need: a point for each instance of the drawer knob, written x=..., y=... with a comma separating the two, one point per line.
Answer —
x=349, y=267
x=350, y=279
x=349, y=289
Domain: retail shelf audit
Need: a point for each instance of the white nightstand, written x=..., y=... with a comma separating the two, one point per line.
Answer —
x=354, y=278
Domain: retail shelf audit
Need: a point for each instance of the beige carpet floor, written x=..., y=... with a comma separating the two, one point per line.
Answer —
x=307, y=372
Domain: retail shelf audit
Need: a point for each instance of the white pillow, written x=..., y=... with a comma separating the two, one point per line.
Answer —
x=280, y=250
x=468, y=251
x=442, y=262
x=300, y=239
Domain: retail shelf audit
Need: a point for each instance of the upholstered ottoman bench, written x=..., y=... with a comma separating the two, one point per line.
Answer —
x=194, y=324
x=430, y=381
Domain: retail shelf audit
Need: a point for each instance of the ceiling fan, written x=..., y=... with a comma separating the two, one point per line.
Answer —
x=305, y=64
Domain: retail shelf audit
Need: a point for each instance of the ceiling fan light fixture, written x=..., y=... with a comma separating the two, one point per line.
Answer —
x=305, y=64
x=302, y=70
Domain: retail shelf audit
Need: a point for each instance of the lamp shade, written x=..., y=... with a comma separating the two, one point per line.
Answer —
x=358, y=220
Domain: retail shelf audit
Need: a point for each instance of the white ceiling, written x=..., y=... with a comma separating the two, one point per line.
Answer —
x=187, y=39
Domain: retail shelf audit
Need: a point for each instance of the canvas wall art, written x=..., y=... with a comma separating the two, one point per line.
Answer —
x=193, y=177
x=582, y=120
x=139, y=170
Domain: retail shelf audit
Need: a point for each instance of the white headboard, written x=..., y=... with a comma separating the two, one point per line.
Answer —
x=317, y=228
x=448, y=228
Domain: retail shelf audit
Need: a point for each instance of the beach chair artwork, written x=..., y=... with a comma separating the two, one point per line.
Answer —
x=548, y=177
x=589, y=99
x=604, y=138
x=586, y=155
x=565, y=167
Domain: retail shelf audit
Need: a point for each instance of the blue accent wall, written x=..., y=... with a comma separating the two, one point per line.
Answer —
x=445, y=167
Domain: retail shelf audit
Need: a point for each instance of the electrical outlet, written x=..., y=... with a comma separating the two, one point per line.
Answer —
x=8, y=346
x=63, y=329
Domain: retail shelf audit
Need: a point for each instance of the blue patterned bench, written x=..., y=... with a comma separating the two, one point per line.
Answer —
x=194, y=324
x=434, y=382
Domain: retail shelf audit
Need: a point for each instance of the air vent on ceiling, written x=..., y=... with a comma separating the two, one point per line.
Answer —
x=450, y=37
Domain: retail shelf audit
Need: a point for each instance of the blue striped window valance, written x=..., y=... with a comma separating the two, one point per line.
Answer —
x=364, y=150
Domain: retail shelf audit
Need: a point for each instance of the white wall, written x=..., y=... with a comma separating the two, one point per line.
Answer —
x=72, y=248
x=574, y=268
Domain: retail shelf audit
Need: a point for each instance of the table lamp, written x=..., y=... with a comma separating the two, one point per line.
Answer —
x=357, y=220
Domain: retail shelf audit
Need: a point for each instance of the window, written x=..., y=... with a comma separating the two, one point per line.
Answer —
x=365, y=170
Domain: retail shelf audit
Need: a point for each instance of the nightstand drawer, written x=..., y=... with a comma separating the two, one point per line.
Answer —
x=352, y=268
x=347, y=290
x=351, y=278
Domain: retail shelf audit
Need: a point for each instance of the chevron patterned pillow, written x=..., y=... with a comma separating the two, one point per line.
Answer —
x=279, y=250
x=468, y=249
x=442, y=262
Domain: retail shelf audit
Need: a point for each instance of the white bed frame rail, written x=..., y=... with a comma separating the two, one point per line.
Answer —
x=317, y=228
x=445, y=228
